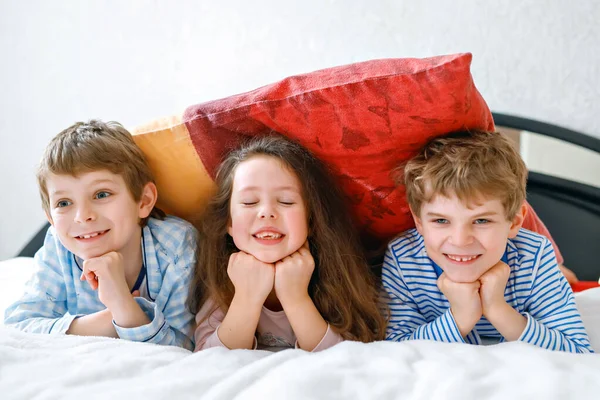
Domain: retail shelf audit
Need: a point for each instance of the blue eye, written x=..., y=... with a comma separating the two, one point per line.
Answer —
x=441, y=221
x=63, y=203
x=102, y=195
x=481, y=221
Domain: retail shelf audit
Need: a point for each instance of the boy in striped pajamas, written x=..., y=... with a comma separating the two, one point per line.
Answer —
x=469, y=273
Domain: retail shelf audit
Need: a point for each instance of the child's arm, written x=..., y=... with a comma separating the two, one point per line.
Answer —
x=106, y=275
x=253, y=281
x=212, y=326
x=312, y=332
x=406, y=320
x=465, y=303
x=292, y=276
x=508, y=321
x=552, y=319
x=168, y=320
x=43, y=307
x=96, y=324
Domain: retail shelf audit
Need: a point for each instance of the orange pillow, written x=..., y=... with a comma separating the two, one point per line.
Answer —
x=362, y=119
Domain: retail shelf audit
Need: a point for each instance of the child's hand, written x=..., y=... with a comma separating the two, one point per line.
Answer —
x=253, y=279
x=493, y=285
x=464, y=300
x=106, y=274
x=292, y=275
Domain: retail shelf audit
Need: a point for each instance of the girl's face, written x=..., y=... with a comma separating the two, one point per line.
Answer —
x=268, y=213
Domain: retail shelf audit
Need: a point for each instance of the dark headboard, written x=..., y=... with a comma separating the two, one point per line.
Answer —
x=570, y=210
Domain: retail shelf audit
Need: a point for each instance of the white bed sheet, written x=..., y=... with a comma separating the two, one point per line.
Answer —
x=68, y=367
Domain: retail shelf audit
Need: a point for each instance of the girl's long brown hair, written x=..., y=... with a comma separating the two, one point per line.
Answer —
x=342, y=286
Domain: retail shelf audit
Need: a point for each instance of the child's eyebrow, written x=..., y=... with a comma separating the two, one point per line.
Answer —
x=434, y=214
x=485, y=214
x=99, y=181
x=61, y=192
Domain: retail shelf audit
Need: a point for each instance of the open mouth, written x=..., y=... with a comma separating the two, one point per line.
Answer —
x=91, y=235
x=268, y=235
x=461, y=258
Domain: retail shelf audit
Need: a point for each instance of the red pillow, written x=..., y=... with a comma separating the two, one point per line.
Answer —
x=362, y=119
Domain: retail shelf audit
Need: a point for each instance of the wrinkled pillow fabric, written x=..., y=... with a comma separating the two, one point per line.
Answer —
x=362, y=119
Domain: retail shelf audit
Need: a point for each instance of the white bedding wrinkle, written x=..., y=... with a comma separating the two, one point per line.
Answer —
x=71, y=367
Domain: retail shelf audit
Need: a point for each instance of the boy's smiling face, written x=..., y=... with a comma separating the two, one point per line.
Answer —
x=466, y=240
x=94, y=213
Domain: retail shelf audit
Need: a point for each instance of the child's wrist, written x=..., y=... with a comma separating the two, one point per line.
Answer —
x=291, y=303
x=466, y=317
x=123, y=308
x=497, y=310
x=248, y=300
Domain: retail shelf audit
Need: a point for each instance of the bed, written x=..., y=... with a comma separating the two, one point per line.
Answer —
x=64, y=367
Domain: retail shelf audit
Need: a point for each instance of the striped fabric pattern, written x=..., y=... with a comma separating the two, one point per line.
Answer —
x=536, y=289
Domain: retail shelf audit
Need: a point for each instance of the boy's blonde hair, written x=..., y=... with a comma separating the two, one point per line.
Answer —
x=93, y=146
x=468, y=164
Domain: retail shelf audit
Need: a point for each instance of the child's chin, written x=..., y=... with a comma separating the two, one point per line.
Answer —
x=462, y=278
x=267, y=258
x=270, y=258
x=86, y=255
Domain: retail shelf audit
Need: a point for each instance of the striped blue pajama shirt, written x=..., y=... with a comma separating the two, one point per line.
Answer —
x=536, y=289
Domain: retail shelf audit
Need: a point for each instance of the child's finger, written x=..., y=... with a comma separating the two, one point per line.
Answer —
x=93, y=283
x=91, y=278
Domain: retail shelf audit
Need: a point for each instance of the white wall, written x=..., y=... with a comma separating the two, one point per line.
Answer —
x=133, y=61
x=557, y=158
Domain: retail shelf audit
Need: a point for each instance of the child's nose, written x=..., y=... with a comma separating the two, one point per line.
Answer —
x=461, y=237
x=267, y=211
x=85, y=213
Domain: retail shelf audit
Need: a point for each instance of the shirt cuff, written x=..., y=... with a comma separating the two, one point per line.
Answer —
x=62, y=324
x=145, y=333
x=215, y=341
x=328, y=340
x=531, y=332
x=451, y=333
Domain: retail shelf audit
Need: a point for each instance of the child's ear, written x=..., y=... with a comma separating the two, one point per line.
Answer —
x=517, y=221
x=418, y=221
x=147, y=200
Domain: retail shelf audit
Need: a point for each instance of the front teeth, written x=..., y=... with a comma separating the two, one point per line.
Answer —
x=268, y=235
x=89, y=236
x=461, y=259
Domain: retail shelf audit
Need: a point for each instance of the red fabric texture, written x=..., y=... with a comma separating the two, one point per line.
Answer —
x=362, y=119
x=584, y=285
